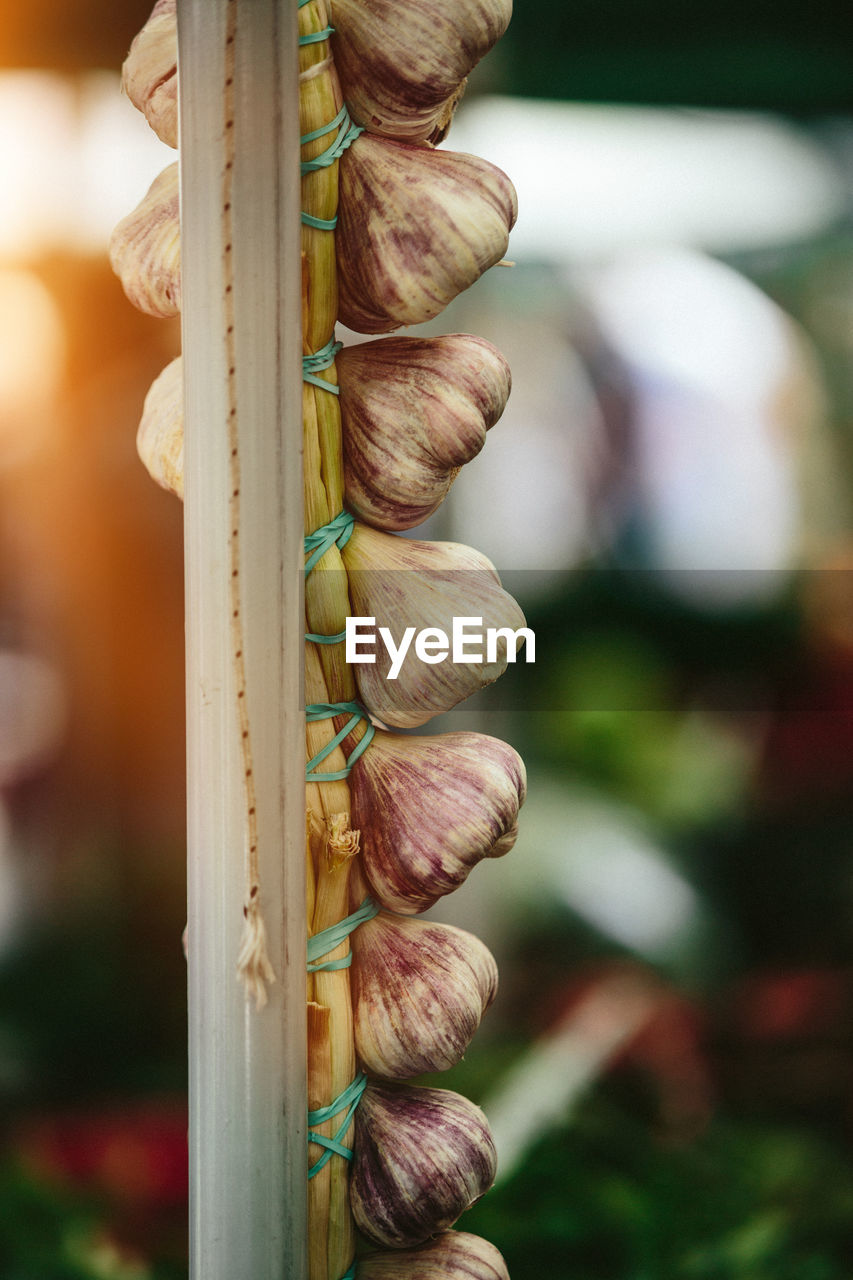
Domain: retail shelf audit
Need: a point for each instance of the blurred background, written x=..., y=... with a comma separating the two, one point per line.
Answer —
x=668, y=1067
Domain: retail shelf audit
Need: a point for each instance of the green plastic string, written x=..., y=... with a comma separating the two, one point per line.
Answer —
x=321, y=540
x=322, y=359
x=337, y=531
x=321, y=132
x=314, y=37
x=325, y=711
x=347, y=134
x=321, y=224
x=345, y=137
x=347, y=1102
x=315, y=638
x=328, y=939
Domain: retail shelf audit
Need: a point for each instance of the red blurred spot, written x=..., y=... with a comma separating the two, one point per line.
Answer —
x=137, y=1156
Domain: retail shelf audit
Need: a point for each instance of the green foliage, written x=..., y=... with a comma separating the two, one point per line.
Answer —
x=93, y=1007
x=733, y=53
x=45, y=1235
x=605, y=1199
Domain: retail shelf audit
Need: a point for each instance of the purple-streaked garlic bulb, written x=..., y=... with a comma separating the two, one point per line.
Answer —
x=430, y=808
x=454, y=1255
x=419, y=992
x=150, y=72
x=145, y=249
x=414, y=411
x=422, y=1157
x=410, y=587
x=415, y=228
x=402, y=63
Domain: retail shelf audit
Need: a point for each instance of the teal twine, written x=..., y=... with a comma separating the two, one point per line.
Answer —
x=337, y=531
x=315, y=638
x=314, y=37
x=325, y=711
x=347, y=1102
x=328, y=939
x=321, y=224
x=322, y=359
x=339, y=120
x=346, y=135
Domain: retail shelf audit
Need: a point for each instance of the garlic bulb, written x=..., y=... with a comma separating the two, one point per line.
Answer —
x=150, y=72
x=402, y=62
x=160, y=438
x=449, y=581
x=430, y=808
x=419, y=992
x=415, y=228
x=414, y=411
x=454, y=1255
x=145, y=249
x=422, y=1157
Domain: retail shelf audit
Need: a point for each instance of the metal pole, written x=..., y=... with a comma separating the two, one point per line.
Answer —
x=239, y=155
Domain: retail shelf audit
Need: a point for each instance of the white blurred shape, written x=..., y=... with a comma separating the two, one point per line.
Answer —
x=32, y=362
x=711, y=362
x=75, y=156
x=593, y=180
x=592, y=856
x=38, y=142
x=541, y=458
x=686, y=318
x=618, y=881
x=119, y=157
x=541, y=1087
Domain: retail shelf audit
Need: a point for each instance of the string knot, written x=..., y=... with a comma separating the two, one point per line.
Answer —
x=347, y=1101
x=325, y=941
x=325, y=711
x=322, y=359
x=336, y=532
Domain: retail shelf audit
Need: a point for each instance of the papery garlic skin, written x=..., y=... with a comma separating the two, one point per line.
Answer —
x=145, y=249
x=454, y=1255
x=403, y=583
x=430, y=808
x=150, y=73
x=419, y=992
x=415, y=228
x=402, y=62
x=160, y=438
x=422, y=1157
x=414, y=411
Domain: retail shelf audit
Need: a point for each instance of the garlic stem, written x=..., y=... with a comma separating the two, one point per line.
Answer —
x=327, y=678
